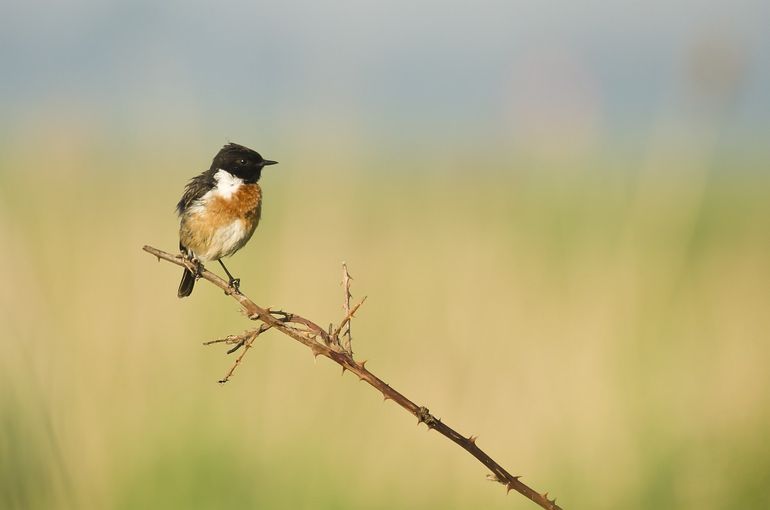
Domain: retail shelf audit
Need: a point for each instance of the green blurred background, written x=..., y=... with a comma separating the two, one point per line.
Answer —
x=560, y=214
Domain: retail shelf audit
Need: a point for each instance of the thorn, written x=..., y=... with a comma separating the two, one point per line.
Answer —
x=343, y=370
x=508, y=487
x=385, y=397
x=362, y=364
x=472, y=439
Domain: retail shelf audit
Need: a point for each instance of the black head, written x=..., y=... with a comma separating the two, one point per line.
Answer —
x=241, y=162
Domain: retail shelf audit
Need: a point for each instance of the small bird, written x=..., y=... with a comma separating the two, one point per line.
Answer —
x=220, y=210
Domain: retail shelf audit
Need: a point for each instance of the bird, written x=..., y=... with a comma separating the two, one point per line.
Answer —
x=219, y=211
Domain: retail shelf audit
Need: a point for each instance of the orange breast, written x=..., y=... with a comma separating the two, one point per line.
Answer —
x=222, y=225
x=244, y=204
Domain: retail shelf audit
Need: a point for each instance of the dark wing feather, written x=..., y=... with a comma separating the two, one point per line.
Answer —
x=195, y=189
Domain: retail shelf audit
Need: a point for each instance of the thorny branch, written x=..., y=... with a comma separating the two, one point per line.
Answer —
x=348, y=337
x=327, y=344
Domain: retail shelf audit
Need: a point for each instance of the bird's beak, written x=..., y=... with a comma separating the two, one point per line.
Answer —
x=267, y=162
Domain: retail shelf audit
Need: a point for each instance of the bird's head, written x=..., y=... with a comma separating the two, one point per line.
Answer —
x=241, y=162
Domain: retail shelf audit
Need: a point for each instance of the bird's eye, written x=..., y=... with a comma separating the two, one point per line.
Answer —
x=241, y=162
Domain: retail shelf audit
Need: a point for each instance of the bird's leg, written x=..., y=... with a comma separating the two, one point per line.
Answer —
x=234, y=283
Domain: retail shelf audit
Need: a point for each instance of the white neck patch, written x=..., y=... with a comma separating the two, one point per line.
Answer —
x=227, y=183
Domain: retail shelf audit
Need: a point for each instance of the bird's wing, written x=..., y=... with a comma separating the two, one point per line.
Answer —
x=195, y=189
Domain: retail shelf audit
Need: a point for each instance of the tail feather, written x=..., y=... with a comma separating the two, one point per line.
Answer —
x=187, y=284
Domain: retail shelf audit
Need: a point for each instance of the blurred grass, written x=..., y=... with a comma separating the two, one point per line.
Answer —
x=601, y=324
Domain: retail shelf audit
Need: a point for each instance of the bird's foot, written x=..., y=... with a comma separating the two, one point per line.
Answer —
x=198, y=268
x=198, y=265
x=233, y=286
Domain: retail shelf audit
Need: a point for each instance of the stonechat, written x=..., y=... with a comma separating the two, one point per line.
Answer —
x=220, y=210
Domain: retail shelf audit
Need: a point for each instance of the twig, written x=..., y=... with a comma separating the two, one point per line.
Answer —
x=229, y=339
x=346, y=320
x=346, y=361
x=244, y=340
x=238, y=340
x=348, y=337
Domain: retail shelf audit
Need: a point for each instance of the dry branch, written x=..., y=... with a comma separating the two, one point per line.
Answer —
x=348, y=336
x=326, y=343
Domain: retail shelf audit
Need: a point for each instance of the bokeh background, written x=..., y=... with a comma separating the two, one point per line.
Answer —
x=560, y=213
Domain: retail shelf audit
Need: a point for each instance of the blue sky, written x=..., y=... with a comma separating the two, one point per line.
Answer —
x=388, y=67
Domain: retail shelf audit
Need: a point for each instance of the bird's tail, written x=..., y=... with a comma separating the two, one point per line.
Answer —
x=187, y=284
